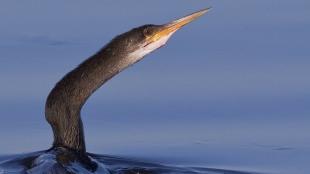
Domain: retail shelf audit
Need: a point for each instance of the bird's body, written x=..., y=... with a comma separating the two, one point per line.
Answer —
x=64, y=103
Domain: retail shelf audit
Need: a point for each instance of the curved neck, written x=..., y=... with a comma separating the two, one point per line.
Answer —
x=65, y=101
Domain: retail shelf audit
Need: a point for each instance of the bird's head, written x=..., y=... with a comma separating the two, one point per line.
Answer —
x=143, y=40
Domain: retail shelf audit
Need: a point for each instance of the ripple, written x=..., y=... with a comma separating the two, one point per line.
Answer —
x=46, y=162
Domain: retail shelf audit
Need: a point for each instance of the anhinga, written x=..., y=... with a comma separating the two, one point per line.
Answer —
x=64, y=103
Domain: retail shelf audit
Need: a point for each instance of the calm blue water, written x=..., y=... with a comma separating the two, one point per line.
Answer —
x=229, y=91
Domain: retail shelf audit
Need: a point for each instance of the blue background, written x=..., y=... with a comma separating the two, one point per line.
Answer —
x=230, y=90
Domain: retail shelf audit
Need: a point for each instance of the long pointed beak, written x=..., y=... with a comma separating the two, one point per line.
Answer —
x=179, y=23
x=175, y=25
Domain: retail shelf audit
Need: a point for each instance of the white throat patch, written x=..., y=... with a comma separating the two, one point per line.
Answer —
x=144, y=50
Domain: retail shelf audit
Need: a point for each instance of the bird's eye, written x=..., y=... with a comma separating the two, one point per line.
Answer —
x=147, y=32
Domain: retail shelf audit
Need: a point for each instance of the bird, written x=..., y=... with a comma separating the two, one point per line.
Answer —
x=65, y=101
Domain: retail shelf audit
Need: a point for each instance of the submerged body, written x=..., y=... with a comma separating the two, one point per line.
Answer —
x=46, y=162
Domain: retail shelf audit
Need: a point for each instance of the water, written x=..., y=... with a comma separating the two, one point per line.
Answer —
x=188, y=148
x=44, y=162
x=230, y=92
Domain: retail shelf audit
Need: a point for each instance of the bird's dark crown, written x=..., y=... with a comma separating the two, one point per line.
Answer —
x=133, y=39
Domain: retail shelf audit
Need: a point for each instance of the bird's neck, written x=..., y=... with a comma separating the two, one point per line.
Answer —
x=65, y=101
